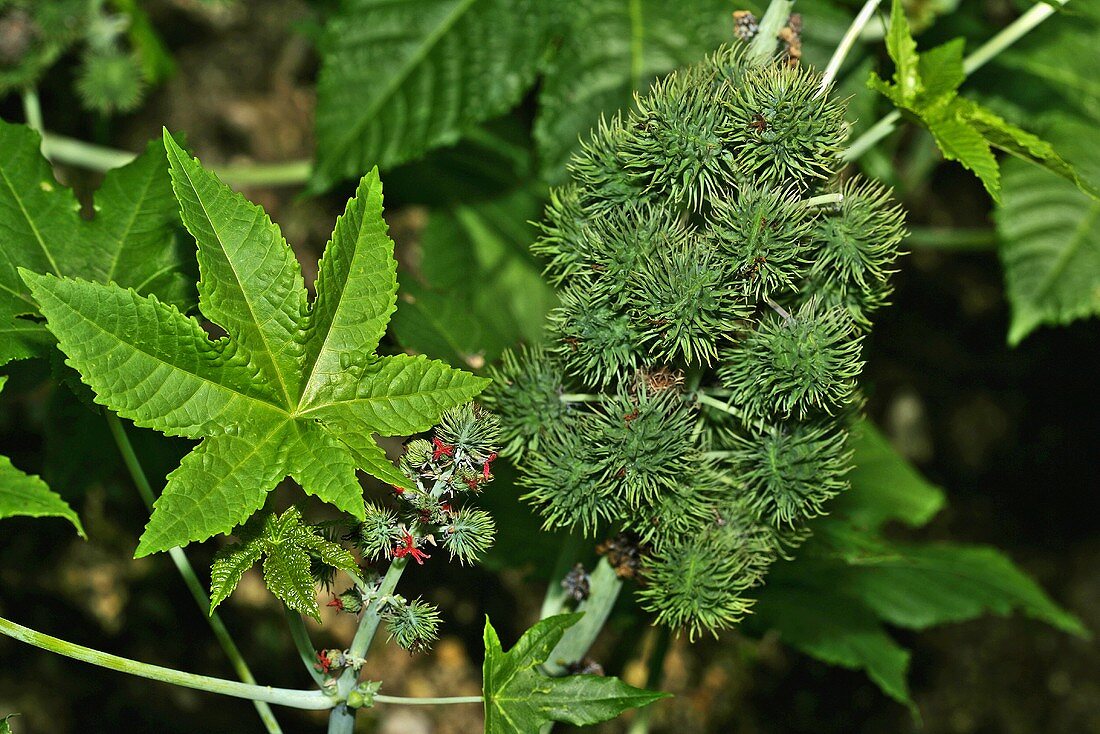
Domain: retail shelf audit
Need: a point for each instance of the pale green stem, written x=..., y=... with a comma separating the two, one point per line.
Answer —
x=187, y=572
x=960, y=240
x=604, y=588
x=32, y=110
x=554, y=600
x=778, y=309
x=1013, y=32
x=70, y=151
x=775, y=17
x=580, y=398
x=655, y=674
x=305, y=647
x=342, y=718
x=720, y=405
x=823, y=200
x=846, y=43
x=446, y=700
x=1005, y=38
x=312, y=700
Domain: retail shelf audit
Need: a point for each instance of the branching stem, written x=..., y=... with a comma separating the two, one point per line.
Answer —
x=1002, y=40
x=305, y=647
x=846, y=43
x=187, y=572
x=313, y=700
x=580, y=397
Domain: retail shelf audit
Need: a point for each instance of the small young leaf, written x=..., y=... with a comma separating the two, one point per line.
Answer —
x=290, y=547
x=290, y=391
x=5, y=727
x=926, y=85
x=27, y=495
x=520, y=700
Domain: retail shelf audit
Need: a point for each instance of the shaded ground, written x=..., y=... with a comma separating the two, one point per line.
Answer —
x=1011, y=434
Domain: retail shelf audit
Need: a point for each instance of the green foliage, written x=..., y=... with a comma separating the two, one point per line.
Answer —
x=691, y=226
x=837, y=598
x=289, y=548
x=481, y=288
x=398, y=78
x=610, y=51
x=5, y=727
x=130, y=241
x=27, y=495
x=293, y=390
x=926, y=85
x=521, y=700
x=1050, y=241
x=34, y=34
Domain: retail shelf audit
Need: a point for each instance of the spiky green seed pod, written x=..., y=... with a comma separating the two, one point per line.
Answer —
x=700, y=581
x=378, y=533
x=564, y=234
x=469, y=534
x=110, y=82
x=782, y=130
x=600, y=168
x=593, y=338
x=856, y=244
x=683, y=304
x=786, y=473
x=526, y=396
x=796, y=366
x=678, y=511
x=621, y=243
x=418, y=452
x=765, y=233
x=413, y=625
x=565, y=483
x=645, y=443
x=471, y=429
x=672, y=145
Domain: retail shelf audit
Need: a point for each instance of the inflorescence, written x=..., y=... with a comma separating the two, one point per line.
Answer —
x=699, y=381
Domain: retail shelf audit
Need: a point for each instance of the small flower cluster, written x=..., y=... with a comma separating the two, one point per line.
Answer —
x=445, y=470
x=716, y=280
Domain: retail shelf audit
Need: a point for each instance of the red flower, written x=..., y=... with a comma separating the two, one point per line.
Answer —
x=408, y=548
x=323, y=662
x=441, y=449
x=398, y=489
x=336, y=602
x=485, y=466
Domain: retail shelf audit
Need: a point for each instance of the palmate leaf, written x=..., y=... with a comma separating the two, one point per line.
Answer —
x=288, y=547
x=292, y=390
x=520, y=700
x=1050, y=237
x=130, y=241
x=28, y=496
x=613, y=49
x=400, y=77
x=926, y=85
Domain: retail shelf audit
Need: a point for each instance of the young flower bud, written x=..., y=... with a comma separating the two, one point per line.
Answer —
x=594, y=339
x=377, y=534
x=469, y=534
x=413, y=625
x=525, y=395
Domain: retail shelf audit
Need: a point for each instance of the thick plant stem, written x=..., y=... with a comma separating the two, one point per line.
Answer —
x=1007, y=36
x=846, y=43
x=654, y=675
x=187, y=572
x=604, y=585
x=73, y=152
x=775, y=17
x=342, y=718
x=305, y=645
x=313, y=700
x=554, y=600
x=444, y=701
